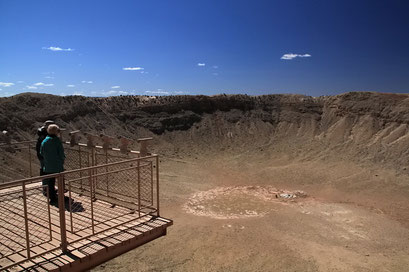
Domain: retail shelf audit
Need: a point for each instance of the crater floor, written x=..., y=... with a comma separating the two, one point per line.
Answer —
x=274, y=214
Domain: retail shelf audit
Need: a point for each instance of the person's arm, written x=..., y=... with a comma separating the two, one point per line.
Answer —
x=61, y=153
x=38, y=148
x=41, y=149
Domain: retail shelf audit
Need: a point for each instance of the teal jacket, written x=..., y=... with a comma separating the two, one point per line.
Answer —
x=53, y=153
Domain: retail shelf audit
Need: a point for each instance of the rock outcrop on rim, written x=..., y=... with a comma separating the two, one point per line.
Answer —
x=360, y=126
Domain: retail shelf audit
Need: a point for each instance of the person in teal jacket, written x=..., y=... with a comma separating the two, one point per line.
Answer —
x=52, y=152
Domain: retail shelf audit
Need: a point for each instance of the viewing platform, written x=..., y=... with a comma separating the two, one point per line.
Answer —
x=109, y=205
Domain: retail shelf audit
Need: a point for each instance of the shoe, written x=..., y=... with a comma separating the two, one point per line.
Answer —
x=54, y=202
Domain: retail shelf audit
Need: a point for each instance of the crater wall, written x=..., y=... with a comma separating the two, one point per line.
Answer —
x=360, y=126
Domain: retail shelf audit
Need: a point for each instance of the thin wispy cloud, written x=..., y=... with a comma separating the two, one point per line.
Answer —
x=117, y=92
x=86, y=81
x=291, y=56
x=132, y=68
x=6, y=84
x=215, y=67
x=163, y=92
x=201, y=64
x=70, y=86
x=115, y=87
x=56, y=49
x=49, y=77
x=41, y=84
x=158, y=92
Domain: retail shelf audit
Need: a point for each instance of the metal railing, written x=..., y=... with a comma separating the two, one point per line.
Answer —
x=19, y=159
x=105, y=189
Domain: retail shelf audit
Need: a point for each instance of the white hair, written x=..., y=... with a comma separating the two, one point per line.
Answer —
x=53, y=129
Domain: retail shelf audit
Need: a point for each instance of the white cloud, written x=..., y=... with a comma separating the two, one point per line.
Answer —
x=113, y=92
x=6, y=84
x=43, y=84
x=77, y=93
x=70, y=86
x=291, y=56
x=132, y=68
x=162, y=92
x=85, y=81
x=158, y=92
x=49, y=77
x=201, y=64
x=115, y=87
x=1, y=89
x=55, y=48
x=39, y=85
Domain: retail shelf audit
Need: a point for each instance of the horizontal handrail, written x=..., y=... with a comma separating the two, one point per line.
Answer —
x=34, y=179
x=17, y=143
x=111, y=148
x=105, y=173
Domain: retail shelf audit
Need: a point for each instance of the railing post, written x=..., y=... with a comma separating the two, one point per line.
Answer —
x=151, y=202
x=93, y=183
x=157, y=184
x=80, y=162
x=70, y=205
x=49, y=211
x=91, y=200
x=106, y=170
x=61, y=210
x=29, y=159
x=144, y=146
x=139, y=187
x=26, y=220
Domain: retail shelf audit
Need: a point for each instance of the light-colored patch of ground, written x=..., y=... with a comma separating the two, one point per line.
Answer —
x=238, y=202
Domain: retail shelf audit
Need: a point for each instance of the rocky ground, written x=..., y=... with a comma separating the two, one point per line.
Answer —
x=278, y=182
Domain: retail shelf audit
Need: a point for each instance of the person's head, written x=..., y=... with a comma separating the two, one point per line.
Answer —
x=48, y=122
x=53, y=129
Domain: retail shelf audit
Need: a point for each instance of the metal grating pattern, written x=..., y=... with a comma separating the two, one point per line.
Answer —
x=13, y=220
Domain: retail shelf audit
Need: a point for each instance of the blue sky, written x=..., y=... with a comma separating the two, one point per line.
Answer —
x=203, y=47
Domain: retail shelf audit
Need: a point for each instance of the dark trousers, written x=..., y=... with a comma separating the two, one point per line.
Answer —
x=50, y=183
